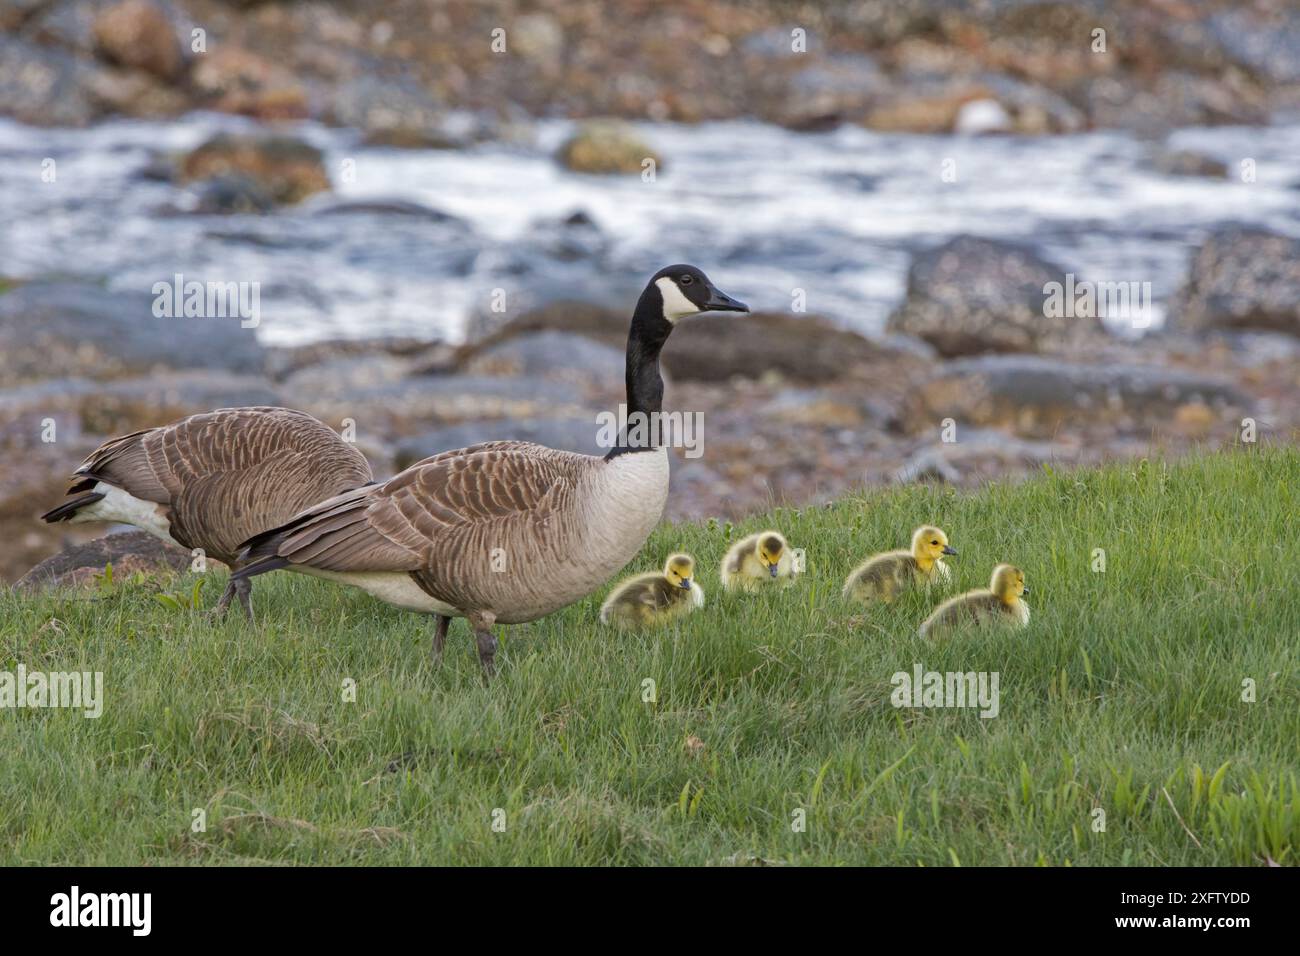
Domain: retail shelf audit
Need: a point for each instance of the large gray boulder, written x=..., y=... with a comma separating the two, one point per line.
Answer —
x=973, y=295
x=86, y=330
x=1035, y=395
x=1242, y=278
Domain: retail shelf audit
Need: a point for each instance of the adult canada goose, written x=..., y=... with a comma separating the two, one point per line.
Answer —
x=999, y=604
x=211, y=481
x=758, y=561
x=883, y=577
x=653, y=598
x=507, y=531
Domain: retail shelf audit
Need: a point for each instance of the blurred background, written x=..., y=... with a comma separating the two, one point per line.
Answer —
x=448, y=209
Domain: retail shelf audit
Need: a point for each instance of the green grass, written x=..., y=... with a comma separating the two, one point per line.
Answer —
x=1125, y=694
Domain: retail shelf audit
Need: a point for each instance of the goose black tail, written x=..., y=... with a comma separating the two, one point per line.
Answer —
x=65, y=511
x=260, y=566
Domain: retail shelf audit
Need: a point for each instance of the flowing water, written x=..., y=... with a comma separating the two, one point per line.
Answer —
x=765, y=211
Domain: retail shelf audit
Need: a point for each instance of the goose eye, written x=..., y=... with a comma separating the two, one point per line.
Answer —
x=687, y=280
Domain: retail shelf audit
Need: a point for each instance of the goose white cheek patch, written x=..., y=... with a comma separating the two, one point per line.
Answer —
x=676, y=304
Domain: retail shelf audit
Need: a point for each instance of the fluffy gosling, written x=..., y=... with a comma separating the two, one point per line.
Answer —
x=757, y=561
x=882, y=577
x=1000, y=604
x=653, y=598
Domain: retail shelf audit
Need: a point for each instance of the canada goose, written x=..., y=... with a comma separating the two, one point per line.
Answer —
x=757, y=561
x=507, y=531
x=883, y=577
x=1000, y=603
x=652, y=598
x=211, y=481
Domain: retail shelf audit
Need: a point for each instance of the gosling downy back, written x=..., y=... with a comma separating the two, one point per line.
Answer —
x=1001, y=604
x=884, y=576
x=655, y=597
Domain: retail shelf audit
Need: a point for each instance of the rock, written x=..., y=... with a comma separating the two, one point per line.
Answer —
x=127, y=551
x=561, y=356
x=1186, y=162
x=284, y=361
x=1241, y=278
x=606, y=146
x=572, y=238
x=286, y=169
x=126, y=405
x=133, y=93
x=1034, y=110
x=930, y=465
x=816, y=408
x=137, y=34
x=234, y=80
x=923, y=111
x=88, y=331
x=381, y=207
x=979, y=117
x=973, y=295
x=538, y=37
x=979, y=456
x=578, y=434
x=576, y=303
x=1265, y=42
x=823, y=94
x=15, y=13
x=378, y=394
x=1176, y=99
x=1035, y=395
x=713, y=347
x=801, y=348
x=334, y=380
x=45, y=87
x=231, y=194
x=400, y=112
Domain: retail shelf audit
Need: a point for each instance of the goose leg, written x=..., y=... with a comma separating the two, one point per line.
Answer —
x=482, y=622
x=440, y=636
x=223, y=604
x=244, y=588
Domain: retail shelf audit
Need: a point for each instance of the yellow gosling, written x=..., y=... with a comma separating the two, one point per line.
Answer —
x=758, y=561
x=653, y=598
x=1000, y=604
x=882, y=577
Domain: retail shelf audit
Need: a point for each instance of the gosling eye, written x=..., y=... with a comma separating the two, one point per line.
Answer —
x=934, y=542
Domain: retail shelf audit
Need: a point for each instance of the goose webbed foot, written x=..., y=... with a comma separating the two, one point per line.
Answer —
x=440, y=637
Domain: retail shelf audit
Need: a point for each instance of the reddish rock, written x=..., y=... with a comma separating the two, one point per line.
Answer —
x=137, y=34
x=128, y=552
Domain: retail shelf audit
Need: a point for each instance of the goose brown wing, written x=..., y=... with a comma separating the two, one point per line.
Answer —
x=432, y=511
x=228, y=474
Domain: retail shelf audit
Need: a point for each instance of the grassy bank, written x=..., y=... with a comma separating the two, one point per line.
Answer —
x=1125, y=695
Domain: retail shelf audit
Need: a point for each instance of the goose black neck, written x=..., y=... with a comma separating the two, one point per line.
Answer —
x=645, y=386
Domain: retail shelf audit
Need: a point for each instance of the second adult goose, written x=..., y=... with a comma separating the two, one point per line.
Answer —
x=210, y=481
x=507, y=531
